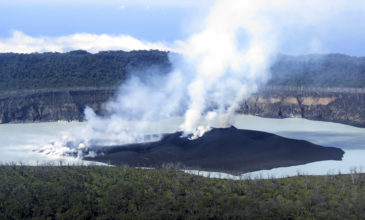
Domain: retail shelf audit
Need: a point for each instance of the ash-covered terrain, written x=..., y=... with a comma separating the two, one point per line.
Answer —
x=229, y=150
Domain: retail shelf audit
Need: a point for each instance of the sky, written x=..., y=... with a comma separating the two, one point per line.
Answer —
x=40, y=25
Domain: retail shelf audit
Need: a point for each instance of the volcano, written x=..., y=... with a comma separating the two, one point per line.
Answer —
x=227, y=150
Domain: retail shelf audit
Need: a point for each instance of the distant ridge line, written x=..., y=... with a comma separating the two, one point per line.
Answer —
x=26, y=92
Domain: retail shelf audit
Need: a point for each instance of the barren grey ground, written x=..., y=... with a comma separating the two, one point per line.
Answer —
x=227, y=150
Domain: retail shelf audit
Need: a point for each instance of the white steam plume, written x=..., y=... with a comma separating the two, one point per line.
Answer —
x=227, y=69
x=222, y=64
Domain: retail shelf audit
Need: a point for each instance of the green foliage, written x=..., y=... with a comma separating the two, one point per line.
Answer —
x=110, y=68
x=76, y=68
x=94, y=192
x=332, y=70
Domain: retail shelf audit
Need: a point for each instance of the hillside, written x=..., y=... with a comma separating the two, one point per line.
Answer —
x=76, y=192
x=110, y=68
x=326, y=70
x=76, y=68
x=58, y=86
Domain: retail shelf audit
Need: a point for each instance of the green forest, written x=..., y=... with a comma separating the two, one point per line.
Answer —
x=101, y=192
x=110, y=68
x=318, y=70
x=76, y=68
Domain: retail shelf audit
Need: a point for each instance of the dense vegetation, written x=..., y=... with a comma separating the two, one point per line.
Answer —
x=332, y=70
x=77, y=192
x=110, y=68
x=76, y=68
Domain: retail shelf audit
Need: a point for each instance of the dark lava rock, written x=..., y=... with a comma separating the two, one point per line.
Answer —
x=227, y=150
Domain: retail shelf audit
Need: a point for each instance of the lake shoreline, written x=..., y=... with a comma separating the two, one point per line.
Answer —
x=19, y=140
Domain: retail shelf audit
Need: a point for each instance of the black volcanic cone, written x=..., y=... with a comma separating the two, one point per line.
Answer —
x=221, y=149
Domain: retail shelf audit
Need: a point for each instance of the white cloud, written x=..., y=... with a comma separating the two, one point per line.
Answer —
x=21, y=43
x=122, y=7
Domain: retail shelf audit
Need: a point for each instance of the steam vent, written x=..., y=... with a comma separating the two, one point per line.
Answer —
x=227, y=150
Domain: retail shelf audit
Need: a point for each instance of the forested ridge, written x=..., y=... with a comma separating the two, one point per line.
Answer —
x=110, y=68
x=318, y=70
x=76, y=68
x=101, y=192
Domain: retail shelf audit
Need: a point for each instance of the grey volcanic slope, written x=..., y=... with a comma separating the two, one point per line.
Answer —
x=228, y=150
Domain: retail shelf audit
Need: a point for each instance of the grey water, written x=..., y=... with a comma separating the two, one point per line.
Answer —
x=18, y=142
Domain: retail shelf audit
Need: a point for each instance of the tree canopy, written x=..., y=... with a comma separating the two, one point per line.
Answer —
x=76, y=68
x=100, y=192
x=331, y=70
x=110, y=68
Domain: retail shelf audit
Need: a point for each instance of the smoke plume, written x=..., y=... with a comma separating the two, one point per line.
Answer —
x=215, y=70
